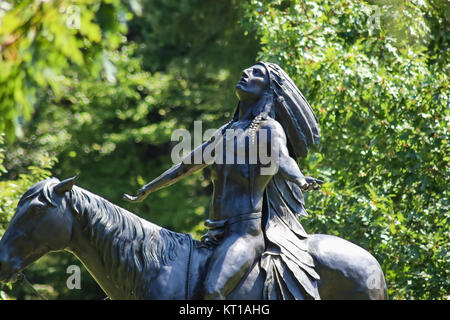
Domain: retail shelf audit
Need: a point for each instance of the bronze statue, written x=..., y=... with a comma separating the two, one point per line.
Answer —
x=241, y=231
x=255, y=247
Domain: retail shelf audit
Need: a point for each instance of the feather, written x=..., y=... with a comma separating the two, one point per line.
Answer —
x=304, y=116
x=290, y=284
x=288, y=245
x=308, y=269
x=293, y=197
x=291, y=193
x=307, y=112
x=293, y=112
x=286, y=294
x=271, y=290
x=308, y=284
x=286, y=233
x=296, y=137
x=282, y=210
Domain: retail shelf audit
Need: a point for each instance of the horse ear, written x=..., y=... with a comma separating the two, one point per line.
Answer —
x=65, y=185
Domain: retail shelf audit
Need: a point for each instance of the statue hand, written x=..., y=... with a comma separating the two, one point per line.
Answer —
x=314, y=184
x=310, y=183
x=134, y=199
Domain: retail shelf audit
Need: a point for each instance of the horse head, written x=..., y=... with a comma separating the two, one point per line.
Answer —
x=39, y=225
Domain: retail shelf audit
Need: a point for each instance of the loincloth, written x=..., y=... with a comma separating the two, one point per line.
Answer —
x=218, y=228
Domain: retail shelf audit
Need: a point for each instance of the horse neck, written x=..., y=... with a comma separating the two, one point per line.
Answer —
x=122, y=251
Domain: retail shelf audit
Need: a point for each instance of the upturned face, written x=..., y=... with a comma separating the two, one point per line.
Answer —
x=252, y=84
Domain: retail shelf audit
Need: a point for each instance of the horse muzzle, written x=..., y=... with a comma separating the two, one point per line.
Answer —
x=8, y=271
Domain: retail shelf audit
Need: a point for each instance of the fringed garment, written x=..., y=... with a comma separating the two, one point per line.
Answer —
x=288, y=265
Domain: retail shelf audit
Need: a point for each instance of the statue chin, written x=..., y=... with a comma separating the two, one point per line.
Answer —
x=244, y=95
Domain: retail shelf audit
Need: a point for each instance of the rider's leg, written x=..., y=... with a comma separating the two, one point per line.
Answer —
x=231, y=261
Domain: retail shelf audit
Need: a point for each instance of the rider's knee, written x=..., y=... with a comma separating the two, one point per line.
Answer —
x=255, y=243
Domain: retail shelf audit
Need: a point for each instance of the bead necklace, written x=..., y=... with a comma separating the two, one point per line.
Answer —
x=253, y=127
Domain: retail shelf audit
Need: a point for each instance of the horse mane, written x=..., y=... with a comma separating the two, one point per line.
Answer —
x=129, y=246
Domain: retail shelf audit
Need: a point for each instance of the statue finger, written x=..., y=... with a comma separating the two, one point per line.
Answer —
x=129, y=198
x=303, y=184
x=309, y=179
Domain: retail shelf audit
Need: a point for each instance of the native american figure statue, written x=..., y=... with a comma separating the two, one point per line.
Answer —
x=254, y=213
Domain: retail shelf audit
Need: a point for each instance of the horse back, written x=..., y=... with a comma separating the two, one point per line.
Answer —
x=346, y=270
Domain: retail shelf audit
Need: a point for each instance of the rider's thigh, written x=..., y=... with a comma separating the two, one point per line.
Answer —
x=237, y=255
x=232, y=260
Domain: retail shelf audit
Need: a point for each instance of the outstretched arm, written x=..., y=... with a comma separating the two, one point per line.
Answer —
x=172, y=175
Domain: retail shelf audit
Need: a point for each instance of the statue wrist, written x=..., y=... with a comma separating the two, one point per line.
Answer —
x=145, y=190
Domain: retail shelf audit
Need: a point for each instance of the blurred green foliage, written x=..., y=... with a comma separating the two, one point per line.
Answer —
x=12, y=190
x=103, y=99
x=41, y=41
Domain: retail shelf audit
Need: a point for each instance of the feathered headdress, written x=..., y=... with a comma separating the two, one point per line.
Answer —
x=293, y=112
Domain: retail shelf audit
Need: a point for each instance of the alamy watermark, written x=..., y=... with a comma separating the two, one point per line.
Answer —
x=74, y=280
x=373, y=22
x=233, y=146
x=374, y=280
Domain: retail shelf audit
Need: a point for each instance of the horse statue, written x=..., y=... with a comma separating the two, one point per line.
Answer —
x=132, y=258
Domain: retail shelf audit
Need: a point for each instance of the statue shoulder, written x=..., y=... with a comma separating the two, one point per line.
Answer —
x=274, y=128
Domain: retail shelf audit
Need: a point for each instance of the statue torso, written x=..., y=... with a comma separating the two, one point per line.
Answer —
x=238, y=184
